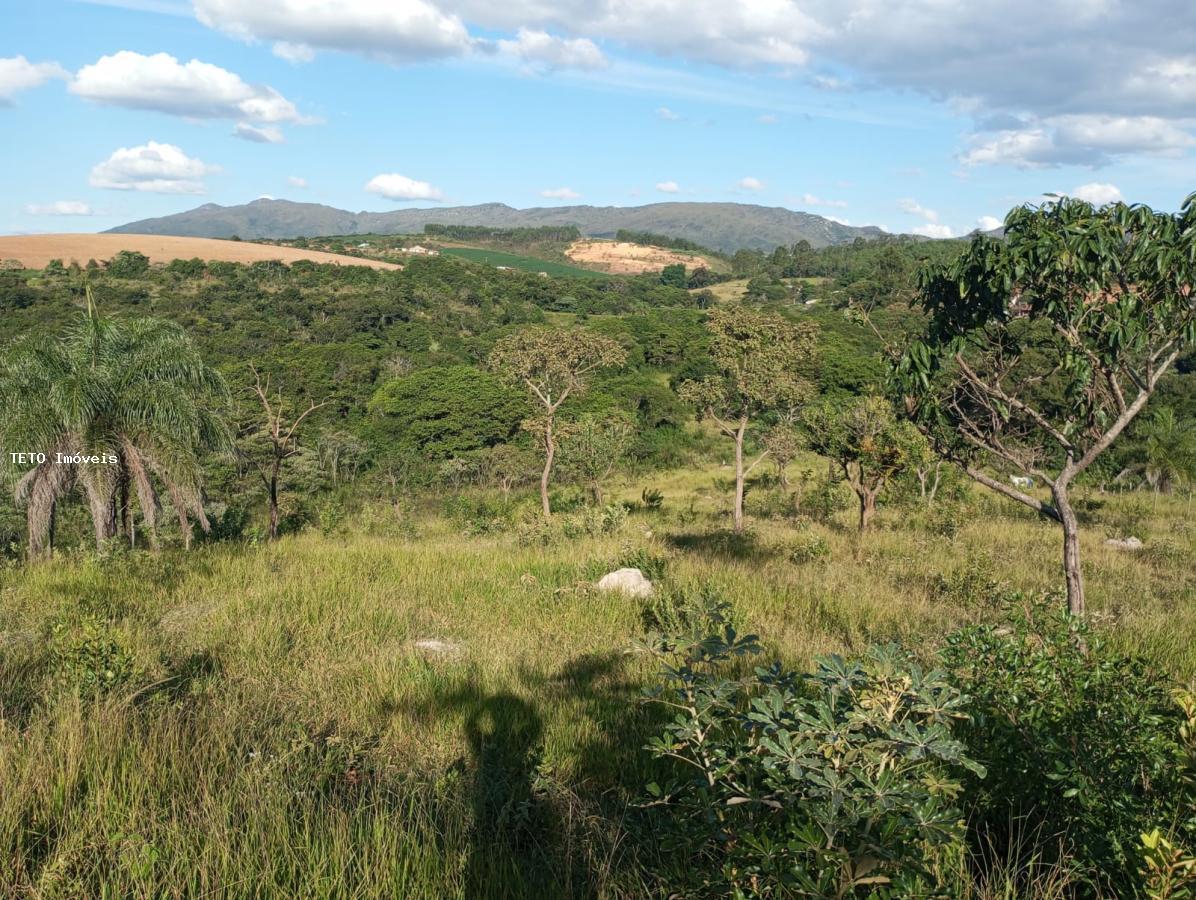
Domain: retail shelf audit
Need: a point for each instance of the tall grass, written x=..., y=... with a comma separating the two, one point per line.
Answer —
x=259, y=720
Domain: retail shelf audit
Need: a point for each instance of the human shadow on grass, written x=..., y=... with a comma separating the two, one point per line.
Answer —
x=532, y=833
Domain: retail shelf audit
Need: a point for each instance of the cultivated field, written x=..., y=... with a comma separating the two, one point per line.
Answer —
x=34, y=251
x=622, y=258
x=500, y=258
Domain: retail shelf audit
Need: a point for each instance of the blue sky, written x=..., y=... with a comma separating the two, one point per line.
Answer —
x=915, y=115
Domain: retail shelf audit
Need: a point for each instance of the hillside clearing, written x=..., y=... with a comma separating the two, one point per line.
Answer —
x=623, y=258
x=34, y=251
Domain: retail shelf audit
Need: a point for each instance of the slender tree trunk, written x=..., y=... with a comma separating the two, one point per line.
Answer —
x=867, y=506
x=737, y=514
x=1071, y=549
x=596, y=492
x=549, y=453
x=273, y=534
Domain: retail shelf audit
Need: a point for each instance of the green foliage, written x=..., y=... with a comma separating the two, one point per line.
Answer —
x=1081, y=742
x=128, y=264
x=808, y=548
x=674, y=275
x=444, y=411
x=90, y=658
x=825, y=784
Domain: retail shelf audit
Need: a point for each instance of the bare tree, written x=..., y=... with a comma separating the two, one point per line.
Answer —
x=282, y=441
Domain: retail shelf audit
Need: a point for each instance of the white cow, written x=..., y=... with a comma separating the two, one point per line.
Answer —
x=1021, y=481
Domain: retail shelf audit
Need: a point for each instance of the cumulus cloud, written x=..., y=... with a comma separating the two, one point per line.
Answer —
x=265, y=134
x=297, y=182
x=668, y=187
x=194, y=89
x=393, y=186
x=561, y=193
x=1097, y=193
x=541, y=48
x=812, y=200
x=59, y=208
x=397, y=31
x=19, y=74
x=988, y=223
x=152, y=167
x=914, y=208
x=1086, y=140
x=1026, y=62
x=934, y=231
x=748, y=183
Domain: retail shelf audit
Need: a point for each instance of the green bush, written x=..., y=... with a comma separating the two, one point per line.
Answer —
x=90, y=658
x=786, y=784
x=1080, y=742
x=809, y=548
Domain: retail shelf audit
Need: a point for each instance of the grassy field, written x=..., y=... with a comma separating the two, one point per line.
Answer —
x=264, y=723
x=524, y=263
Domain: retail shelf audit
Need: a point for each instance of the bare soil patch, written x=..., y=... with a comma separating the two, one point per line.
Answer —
x=621, y=258
x=35, y=250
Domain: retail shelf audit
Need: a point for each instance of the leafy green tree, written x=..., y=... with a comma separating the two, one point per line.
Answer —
x=1041, y=348
x=673, y=276
x=130, y=405
x=866, y=441
x=554, y=365
x=445, y=411
x=592, y=446
x=760, y=361
x=128, y=264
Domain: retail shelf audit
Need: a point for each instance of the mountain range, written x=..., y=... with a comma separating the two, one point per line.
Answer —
x=721, y=226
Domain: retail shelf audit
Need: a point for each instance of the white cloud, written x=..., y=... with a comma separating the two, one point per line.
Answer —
x=668, y=187
x=914, y=208
x=397, y=31
x=1086, y=140
x=838, y=220
x=934, y=231
x=293, y=53
x=19, y=74
x=1097, y=193
x=296, y=181
x=540, y=47
x=812, y=200
x=153, y=167
x=667, y=114
x=561, y=193
x=768, y=119
x=265, y=134
x=988, y=223
x=399, y=187
x=748, y=183
x=59, y=208
x=194, y=89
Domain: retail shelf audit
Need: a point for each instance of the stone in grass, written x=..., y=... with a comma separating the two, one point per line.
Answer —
x=1129, y=543
x=435, y=645
x=628, y=581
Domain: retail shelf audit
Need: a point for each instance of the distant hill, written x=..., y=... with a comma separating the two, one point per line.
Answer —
x=721, y=226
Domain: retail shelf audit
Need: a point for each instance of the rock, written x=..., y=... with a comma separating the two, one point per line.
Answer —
x=1129, y=543
x=434, y=645
x=629, y=581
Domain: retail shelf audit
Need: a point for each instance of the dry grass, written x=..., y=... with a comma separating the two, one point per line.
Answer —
x=34, y=251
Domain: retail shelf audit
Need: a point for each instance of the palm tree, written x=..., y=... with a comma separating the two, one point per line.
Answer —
x=1168, y=450
x=133, y=393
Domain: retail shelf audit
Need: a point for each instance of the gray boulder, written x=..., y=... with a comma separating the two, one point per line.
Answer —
x=1129, y=543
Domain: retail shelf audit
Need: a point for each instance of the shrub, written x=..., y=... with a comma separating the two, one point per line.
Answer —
x=812, y=785
x=809, y=548
x=1080, y=742
x=89, y=658
x=652, y=498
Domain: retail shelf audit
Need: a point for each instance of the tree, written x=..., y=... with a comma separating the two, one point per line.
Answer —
x=866, y=441
x=553, y=364
x=1041, y=348
x=445, y=411
x=673, y=276
x=281, y=442
x=783, y=443
x=120, y=409
x=592, y=446
x=1168, y=450
x=761, y=361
